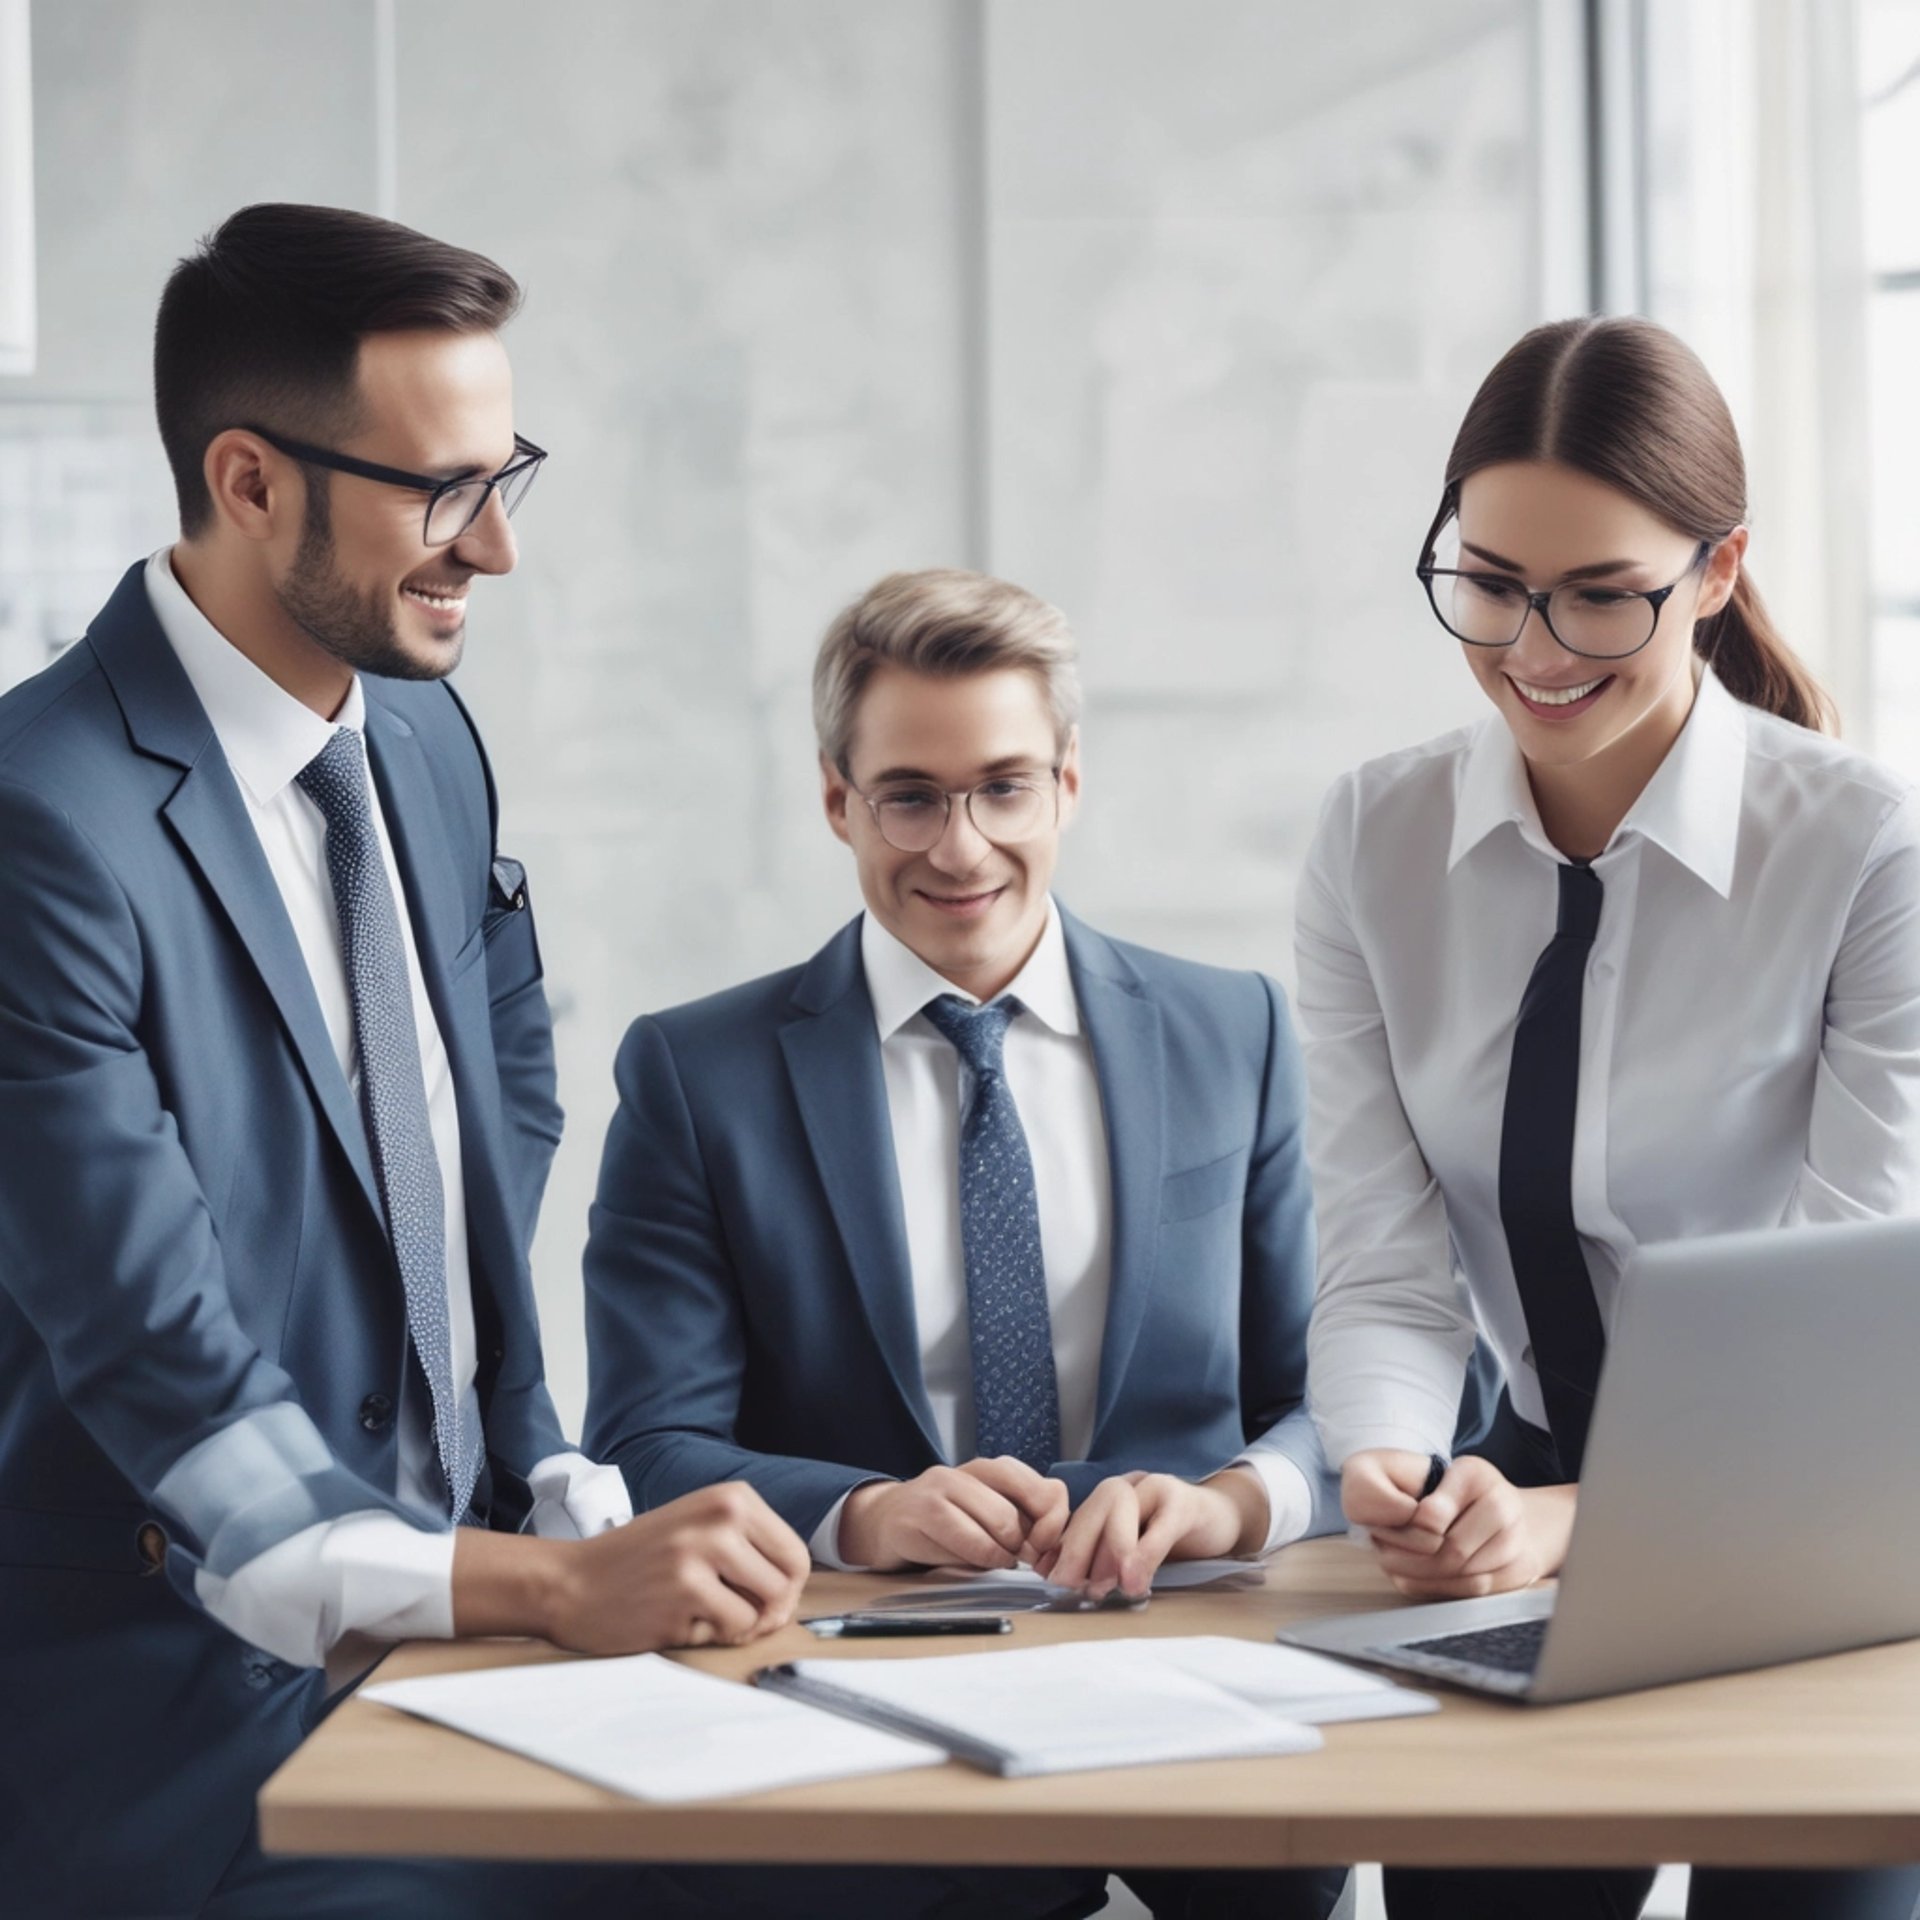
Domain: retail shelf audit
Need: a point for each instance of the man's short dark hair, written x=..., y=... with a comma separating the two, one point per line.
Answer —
x=262, y=324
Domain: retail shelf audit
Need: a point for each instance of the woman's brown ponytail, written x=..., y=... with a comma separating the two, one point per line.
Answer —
x=1755, y=665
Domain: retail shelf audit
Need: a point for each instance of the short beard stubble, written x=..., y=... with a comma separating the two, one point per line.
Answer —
x=337, y=617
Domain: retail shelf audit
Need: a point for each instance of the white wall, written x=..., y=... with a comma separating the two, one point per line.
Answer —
x=1166, y=311
x=18, y=309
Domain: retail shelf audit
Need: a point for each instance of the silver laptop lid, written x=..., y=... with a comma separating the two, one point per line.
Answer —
x=1753, y=1464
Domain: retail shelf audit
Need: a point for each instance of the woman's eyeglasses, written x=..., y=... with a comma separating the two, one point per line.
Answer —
x=1484, y=608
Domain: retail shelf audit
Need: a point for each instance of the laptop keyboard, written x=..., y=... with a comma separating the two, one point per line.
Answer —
x=1513, y=1648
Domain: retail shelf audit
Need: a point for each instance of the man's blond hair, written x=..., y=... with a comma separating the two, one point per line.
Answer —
x=948, y=623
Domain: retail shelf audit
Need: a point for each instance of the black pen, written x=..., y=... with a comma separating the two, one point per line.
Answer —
x=892, y=1626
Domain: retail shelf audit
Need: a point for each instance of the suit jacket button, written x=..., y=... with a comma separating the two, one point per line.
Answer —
x=376, y=1410
x=150, y=1543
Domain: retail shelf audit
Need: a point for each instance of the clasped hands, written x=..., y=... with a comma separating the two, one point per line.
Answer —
x=1000, y=1513
x=1476, y=1533
x=720, y=1567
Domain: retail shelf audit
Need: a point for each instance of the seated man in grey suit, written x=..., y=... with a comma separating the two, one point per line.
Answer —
x=977, y=1210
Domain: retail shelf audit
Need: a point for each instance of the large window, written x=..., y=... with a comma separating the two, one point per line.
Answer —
x=1780, y=233
x=1890, y=167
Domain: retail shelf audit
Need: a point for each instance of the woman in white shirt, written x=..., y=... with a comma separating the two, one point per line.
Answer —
x=1712, y=910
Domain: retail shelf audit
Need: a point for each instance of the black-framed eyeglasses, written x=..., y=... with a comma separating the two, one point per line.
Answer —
x=452, y=505
x=1587, y=617
x=1011, y=807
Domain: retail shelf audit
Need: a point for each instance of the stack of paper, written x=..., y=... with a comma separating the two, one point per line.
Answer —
x=1103, y=1703
x=1021, y=1590
x=646, y=1726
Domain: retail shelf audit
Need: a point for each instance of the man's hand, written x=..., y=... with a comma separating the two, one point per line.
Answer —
x=1476, y=1533
x=716, y=1567
x=1128, y=1526
x=987, y=1513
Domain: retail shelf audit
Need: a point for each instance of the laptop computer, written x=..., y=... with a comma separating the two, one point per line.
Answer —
x=1750, y=1482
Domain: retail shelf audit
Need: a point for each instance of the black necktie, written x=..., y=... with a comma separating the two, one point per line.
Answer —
x=1536, y=1173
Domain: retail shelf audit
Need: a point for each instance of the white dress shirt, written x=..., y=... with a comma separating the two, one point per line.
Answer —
x=1056, y=1087
x=1750, y=1034
x=370, y=1572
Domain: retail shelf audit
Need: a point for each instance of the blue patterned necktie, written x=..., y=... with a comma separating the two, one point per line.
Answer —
x=1016, y=1398
x=393, y=1092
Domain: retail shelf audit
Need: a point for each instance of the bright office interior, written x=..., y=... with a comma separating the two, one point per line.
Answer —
x=1165, y=312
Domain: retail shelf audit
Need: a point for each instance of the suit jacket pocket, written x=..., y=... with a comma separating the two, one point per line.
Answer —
x=506, y=903
x=1199, y=1190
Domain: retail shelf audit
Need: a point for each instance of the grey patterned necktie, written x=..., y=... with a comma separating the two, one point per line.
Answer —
x=393, y=1092
x=1016, y=1398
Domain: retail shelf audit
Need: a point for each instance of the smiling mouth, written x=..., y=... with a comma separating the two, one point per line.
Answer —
x=1558, y=696
x=439, y=602
x=960, y=902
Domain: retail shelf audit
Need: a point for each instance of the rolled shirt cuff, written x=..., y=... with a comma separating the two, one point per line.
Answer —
x=573, y=1498
x=372, y=1573
x=368, y=1573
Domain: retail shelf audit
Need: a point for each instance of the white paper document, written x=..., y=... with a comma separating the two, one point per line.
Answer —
x=1285, y=1682
x=1102, y=1703
x=646, y=1726
x=1289, y=1681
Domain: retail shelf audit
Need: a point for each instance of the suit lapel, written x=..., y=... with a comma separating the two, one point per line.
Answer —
x=417, y=824
x=212, y=823
x=1123, y=1025
x=418, y=829
x=206, y=813
x=833, y=1059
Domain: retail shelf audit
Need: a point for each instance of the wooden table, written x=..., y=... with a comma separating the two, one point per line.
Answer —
x=1816, y=1764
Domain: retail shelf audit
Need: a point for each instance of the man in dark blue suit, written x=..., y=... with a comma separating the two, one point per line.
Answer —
x=979, y=1215
x=276, y=1109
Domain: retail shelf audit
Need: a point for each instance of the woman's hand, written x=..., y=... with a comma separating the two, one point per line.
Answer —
x=1476, y=1533
x=1381, y=1487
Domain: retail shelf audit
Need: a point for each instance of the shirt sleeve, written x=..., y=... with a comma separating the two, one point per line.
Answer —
x=1863, y=1135
x=1303, y=1493
x=824, y=1546
x=1391, y=1331
x=1289, y=1498
x=374, y=1574
x=573, y=1499
x=367, y=1573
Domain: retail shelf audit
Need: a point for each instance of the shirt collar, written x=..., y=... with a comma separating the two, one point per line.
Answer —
x=900, y=983
x=1493, y=790
x=266, y=734
x=1691, y=806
